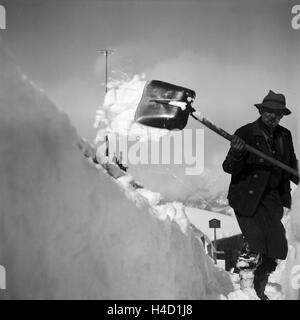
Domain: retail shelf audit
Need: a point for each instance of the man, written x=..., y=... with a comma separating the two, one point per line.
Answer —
x=259, y=190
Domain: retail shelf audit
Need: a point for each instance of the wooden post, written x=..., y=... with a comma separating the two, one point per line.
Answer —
x=215, y=223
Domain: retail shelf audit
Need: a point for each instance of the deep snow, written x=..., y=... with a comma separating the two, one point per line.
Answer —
x=200, y=218
x=289, y=276
x=68, y=229
x=121, y=102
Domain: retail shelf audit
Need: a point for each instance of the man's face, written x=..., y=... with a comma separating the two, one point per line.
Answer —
x=271, y=117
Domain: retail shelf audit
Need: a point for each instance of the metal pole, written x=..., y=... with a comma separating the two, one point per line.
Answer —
x=215, y=245
x=106, y=53
x=107, y=146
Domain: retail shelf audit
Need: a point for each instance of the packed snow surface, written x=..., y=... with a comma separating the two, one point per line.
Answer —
x=69, y=230
x=200, y=218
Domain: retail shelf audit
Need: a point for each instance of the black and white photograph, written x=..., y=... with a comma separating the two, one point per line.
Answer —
x=149, y=151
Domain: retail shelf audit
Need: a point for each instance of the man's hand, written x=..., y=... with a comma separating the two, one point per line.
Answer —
x=237, y=145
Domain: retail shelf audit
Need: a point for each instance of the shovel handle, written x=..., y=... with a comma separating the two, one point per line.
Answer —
x=196, y=115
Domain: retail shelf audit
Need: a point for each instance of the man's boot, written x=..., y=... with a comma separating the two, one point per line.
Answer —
x=261, y=275
x=247, y=259
x=246, y=279
x=260, y=282
x=246, y=265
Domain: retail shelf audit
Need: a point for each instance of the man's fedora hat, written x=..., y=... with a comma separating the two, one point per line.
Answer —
x=274, y=101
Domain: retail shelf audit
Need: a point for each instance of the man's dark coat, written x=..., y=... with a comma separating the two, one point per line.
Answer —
x=250, y=173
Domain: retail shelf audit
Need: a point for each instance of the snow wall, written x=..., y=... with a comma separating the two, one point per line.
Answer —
x=67, y=230
x=290, y=275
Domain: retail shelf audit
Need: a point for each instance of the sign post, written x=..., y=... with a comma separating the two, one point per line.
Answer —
x=214, y=224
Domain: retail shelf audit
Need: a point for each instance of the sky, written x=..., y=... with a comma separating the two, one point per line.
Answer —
x=230, y=52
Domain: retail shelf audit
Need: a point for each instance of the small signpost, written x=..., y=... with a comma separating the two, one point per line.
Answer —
x=215, y=223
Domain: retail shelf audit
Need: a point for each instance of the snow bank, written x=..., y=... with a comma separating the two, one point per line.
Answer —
x=290, y=271
x=116, y=115
x=287, y=273
x=200, y=218
x=68, y=230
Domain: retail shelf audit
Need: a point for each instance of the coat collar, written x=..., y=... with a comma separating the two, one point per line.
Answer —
x=258, y=132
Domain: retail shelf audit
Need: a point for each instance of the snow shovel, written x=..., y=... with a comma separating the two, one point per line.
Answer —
x=167, y=106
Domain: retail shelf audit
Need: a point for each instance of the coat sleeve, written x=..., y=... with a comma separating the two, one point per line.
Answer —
x=294, y=161
x=234, y=164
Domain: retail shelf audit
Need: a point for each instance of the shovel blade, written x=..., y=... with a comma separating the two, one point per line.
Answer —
x=155, y=108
